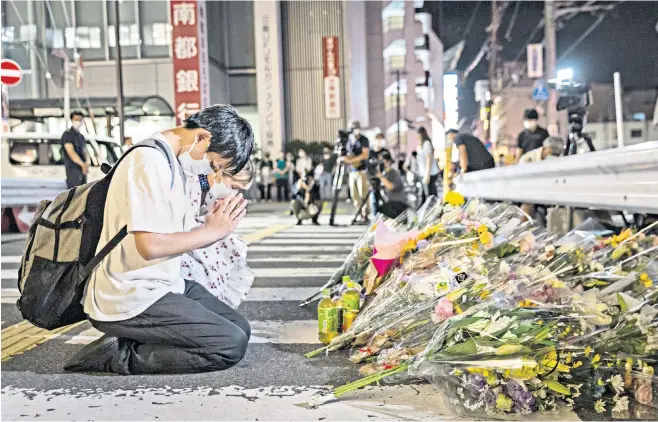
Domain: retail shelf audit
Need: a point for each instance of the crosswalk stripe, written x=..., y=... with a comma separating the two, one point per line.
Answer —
x=325, y=259
x=309, y=235
x=256, y=294
x=11, y=259
x=299, y=248
x=280, y=332
x=258, y=272
x=333, y=241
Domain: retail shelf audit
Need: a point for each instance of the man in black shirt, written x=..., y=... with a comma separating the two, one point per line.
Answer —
x=473, y=155
x=327, y=177
x=358, y=150
x=395, y=201
x=376, y=153
x=74, y=153
x=533, y=136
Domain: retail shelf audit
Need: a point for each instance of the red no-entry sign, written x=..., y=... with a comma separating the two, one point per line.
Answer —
x=10, y=72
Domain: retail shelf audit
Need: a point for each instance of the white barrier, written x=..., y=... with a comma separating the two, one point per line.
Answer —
x=29, y=192
x=624, y=179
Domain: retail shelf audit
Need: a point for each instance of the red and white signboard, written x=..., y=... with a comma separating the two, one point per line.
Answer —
x=190, y=56
x=331, y=77
x=11, y=73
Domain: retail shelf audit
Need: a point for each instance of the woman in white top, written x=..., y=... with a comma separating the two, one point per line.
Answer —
x=220, y=268
x=428, y=168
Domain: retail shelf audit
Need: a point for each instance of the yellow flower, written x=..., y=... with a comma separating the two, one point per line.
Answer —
x=577, y=364
x=526, y=304
x=458, y=310
x=645, y=280
x=454, y=198
x=600, y=382
x=540, y=322
x=588, y=350
x=485, y=237
x=568, y=358
x=485, y=294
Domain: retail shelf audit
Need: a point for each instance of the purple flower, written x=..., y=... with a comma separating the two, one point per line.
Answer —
x=475, y=383
x=523, y=400
x=489, y=399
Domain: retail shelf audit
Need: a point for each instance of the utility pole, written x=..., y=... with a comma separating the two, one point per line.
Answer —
x=119, y=71
x=551, y=65
x=493, y=65
x=398, y=113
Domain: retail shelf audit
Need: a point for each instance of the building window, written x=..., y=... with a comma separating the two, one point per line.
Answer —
x=391, y=101
x=393, y=23
x=636, y=133
x=395, y=63
x=128, y=29
x=156, y=30
x=90, y=32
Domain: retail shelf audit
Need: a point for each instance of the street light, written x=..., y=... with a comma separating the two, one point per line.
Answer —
x=565, y=74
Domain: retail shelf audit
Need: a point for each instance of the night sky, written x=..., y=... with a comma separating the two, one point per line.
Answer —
x=626, y=41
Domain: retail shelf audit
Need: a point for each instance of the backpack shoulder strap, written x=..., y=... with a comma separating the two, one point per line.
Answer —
x=86, y=271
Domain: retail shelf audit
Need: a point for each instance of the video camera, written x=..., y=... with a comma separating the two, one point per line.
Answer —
x=575, y=97
x=340, y=149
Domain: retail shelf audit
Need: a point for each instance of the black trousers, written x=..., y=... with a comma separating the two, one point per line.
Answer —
x=265, y=191
x=430, y=188
x=75, y=177
x=282, y=191
x=192, y=332
x=392, y=209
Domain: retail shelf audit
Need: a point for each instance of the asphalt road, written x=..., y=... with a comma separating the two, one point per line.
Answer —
x=291, y=263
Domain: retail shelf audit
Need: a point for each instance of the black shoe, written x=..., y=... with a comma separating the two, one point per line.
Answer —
x=95, y=356
x=299, y=222
x=315, y=222
x=291, y=212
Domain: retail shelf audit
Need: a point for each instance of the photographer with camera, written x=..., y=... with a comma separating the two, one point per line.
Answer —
x=392, y=188
x=374, y=161
x=307, y=203
x=358, y=152
x=533, y=136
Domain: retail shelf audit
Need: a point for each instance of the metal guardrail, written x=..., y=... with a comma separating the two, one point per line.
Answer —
x=623, y=179
x=29, y=192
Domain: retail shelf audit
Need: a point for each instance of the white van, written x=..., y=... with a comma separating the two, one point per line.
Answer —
x=39, y=155
x=33, y=170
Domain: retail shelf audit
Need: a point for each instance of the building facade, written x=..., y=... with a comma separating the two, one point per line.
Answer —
x=296, y=70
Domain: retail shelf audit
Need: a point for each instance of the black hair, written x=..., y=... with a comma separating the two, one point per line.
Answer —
x=76, y=113
x=423, y=134
x=530, y=114
x=231, y=135
x=310, y=175
x=414, y=153
x=386, y=156
x=451, y=131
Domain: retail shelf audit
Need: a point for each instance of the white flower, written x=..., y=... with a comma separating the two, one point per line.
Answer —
x=617, y=383
x=460, y=392
x=621, y=404
x=599, y=406
x=499, y=324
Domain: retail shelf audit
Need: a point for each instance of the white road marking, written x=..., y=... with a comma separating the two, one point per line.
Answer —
x=234, y=403
x=278, y=241
x=256, y=294
x=11, y=259
x=309, y=235
x=301, y=248
x=334, y=259
x=280, y=332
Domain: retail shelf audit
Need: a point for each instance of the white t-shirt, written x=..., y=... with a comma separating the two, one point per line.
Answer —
x=424, y=151
x=140, y=196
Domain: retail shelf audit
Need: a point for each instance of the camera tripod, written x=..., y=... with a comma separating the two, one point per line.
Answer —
x=337, y=185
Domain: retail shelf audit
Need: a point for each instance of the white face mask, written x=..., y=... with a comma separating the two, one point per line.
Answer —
x=530, y=125
x=192, y=166
x=220, y=190
x=76, y=124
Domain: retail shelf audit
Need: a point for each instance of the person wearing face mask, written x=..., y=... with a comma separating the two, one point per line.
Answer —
x=303, y=165
x=154, y=320
x=221, y=267
x=326, y=179
x=76, y=159
x=552, y=147
x=533, y=136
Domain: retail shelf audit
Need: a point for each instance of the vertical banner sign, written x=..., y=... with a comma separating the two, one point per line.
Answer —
x=190, y=57
x=331, y=77
x=535, y=61
x=269, y=74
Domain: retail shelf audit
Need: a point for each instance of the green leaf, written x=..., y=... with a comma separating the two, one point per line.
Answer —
x=464, y=322
x=557, y=387
x=622, y=303
x=466, y=348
